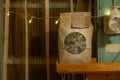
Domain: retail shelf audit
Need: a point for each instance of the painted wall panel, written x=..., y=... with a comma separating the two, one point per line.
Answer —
x=104, y=7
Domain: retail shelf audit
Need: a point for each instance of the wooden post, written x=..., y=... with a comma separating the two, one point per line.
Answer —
x=71, y=6
x=26, y=46
x=47, y=37
x=6, y=38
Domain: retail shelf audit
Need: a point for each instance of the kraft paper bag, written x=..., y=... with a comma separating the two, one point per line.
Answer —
x=75, y=37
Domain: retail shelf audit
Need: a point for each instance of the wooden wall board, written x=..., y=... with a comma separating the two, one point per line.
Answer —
x=47, y=37
x=6, y=37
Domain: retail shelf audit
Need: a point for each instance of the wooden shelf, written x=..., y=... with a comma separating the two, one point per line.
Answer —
x=88, y=68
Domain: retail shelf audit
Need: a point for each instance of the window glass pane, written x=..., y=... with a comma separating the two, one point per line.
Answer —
x=16, y=46
x=56, y=7
x=36, y=32
x=37, y=53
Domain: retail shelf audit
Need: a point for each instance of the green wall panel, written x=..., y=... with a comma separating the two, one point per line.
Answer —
x=104, y=39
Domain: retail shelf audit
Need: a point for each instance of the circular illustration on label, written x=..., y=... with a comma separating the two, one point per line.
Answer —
x=75, y=43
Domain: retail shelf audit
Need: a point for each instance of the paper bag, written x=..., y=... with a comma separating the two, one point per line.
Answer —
x=75, y=37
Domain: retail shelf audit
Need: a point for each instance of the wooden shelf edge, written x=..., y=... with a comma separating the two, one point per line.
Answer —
x=87, y=68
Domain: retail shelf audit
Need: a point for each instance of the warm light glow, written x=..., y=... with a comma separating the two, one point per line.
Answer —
x=57, y=21
x=8, y=14
x=107, y=12
x=30, y=21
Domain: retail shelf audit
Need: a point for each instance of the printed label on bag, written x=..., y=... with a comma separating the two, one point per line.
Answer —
x=80, y=20
x=75, y=43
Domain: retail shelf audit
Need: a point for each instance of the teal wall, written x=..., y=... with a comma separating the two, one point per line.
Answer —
x=103, y=39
